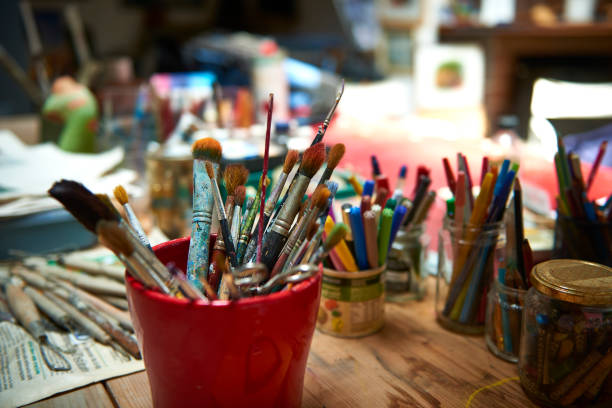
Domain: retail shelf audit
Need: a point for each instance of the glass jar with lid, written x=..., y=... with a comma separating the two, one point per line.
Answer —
x=404, y=277
x=566, y=337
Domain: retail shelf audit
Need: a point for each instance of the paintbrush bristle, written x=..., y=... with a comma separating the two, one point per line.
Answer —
x=240, y=194
x=335, y=236
x=81, y=203
x=235, y=175
x=207, y=149
x=320, y=196
x=313, y=159
x=312, y=229
x=107, y=201
x=209, y=170
x=121, y=195
x=114, y=238
x=219, y=259
x=290, y=159
x=335, y=155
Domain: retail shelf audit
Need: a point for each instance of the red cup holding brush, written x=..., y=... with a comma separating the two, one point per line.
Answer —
x=250, y=352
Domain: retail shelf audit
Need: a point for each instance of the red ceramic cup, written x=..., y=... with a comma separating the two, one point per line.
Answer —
x=246, y=353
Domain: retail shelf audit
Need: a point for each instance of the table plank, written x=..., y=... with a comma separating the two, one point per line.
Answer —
x=131, y=391
x=91, y=396
x=411, y=362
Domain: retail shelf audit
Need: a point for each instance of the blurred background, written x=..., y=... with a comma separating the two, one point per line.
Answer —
x=133, y=82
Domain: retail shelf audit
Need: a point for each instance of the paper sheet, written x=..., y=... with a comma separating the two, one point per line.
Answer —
x=24, y=377
x=30, y=170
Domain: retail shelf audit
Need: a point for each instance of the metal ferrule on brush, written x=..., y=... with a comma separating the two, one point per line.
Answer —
x=283, y=222
x=136, y=225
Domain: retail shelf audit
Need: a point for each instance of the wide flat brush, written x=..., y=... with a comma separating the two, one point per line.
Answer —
x=225, y=231
x=206, y=149
x=123, y=199
x=81, y=203
x=319, y=200
x=276, y=236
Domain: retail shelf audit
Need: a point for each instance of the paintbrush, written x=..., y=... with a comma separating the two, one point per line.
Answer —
x=245, y=230
x=122, y=197
x=75, y=261
x=81, y=203
x=335, y=155
x=319, y=200
x=207, y=149
x=296, y=256
x=335, y=236
x=127, y=342
x=55, y=313
x=225, y=231
x=264, y=174
x=239, y=194
x=121, y=316
x=234, y=175
x=115, y=239
x=319, y=136
x=94, y=284
x=228, y=289
x=187, y=289
x=276, y=236
x=290, y=159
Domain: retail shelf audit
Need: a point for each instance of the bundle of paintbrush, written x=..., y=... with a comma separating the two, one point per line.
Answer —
x=473, y=231
x=277, y=243
x=584, y=228
x=40, y=293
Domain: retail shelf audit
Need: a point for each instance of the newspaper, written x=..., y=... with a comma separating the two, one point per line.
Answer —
x=25, y=378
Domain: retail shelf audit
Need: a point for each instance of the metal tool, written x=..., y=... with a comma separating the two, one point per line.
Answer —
x=296, y=274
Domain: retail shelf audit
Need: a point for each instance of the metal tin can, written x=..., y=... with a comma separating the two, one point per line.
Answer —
x=565, y=357
x=352, y=303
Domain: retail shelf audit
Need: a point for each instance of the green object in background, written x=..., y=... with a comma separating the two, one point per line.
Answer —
x=74, y=107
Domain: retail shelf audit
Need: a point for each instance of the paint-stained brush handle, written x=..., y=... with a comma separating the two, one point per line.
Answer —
x=24, y=310
x=57, y=314
x=116, y=272
x=84, y=281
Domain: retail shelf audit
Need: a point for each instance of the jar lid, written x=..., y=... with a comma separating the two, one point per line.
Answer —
x=574, y=281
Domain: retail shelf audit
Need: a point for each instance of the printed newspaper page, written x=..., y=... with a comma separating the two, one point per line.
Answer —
x=25, y=378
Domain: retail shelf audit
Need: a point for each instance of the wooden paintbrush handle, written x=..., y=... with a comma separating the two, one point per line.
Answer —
x=57, y=314
x=116, y=272
x=123, y=339
x=23, y=308
x=87, y=282
x=87, y=325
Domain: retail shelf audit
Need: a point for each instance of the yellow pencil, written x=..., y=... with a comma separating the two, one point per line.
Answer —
x=342, y=250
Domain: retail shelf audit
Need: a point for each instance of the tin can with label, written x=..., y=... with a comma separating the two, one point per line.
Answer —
x=352, y=303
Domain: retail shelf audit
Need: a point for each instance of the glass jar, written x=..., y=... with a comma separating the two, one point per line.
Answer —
x=583, y=239
x=465, y=267
x=566, y=337
x=404, y=277
x=503, y=321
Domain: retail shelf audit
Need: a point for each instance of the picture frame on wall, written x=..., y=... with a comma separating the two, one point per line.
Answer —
x=449, y=76
x=399, y=11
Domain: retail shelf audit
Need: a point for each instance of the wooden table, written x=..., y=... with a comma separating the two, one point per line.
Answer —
x=412, y=362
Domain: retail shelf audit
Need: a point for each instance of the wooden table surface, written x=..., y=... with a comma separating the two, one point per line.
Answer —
x=411, y=362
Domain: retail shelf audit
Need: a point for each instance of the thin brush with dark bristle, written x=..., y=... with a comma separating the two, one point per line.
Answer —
x=225, y=231
x=227, y=289
x=277, y=234
x=290, y=159
x=197, y=262
x=318, y=202
x=81, y=203
x=122, y=197
x=335, y=155
x=319, y=136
